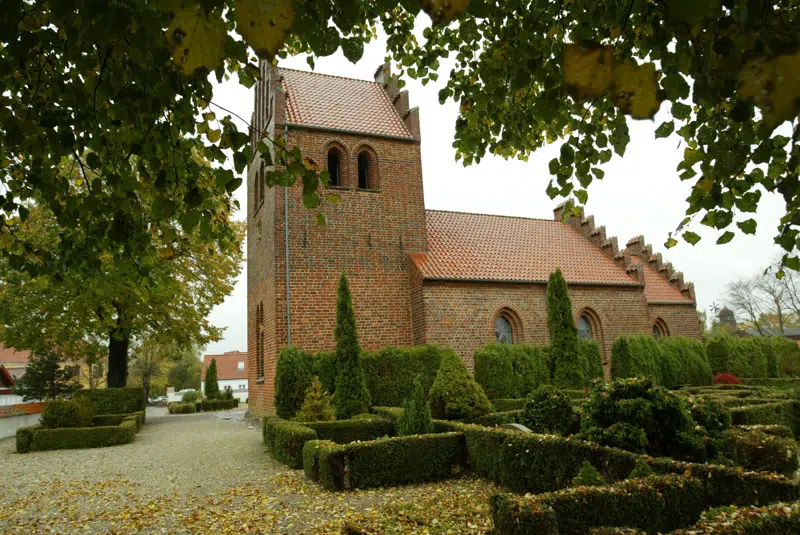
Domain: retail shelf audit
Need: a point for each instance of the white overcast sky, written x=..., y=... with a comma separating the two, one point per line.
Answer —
x=640, y=194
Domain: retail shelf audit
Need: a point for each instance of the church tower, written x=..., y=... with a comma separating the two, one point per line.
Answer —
x=364, y=133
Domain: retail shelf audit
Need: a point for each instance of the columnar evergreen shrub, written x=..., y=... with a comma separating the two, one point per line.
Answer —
x=690, y=356
x=591, y=361
x=352, y=396
x=588, y=476
x=416, y=418
x=640, y=356
x=548, y=410
x=566, y=371
x=316, y=405
x=510, y=370
x=292, y=379
x=212, y=386
x=323, y=365
x=59, y=413
x=390, y=372
x=743, y=357
x=455, y=395
x=642, y=469
x=787, y=356
x=227, y=393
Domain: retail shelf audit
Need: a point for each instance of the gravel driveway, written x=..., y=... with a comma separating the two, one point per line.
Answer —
x=202, y=473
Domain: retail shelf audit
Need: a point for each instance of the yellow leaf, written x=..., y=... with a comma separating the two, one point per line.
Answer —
x=636, y=89
x=773, y=85
x=705, y=185
x=196, y=40
x=444, y=10
x=167, y=253
x=264, y=24
x=589, y=70
x=213, y=135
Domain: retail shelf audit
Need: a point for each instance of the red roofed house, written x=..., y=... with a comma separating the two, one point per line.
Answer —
x=231, y=371
x=418, y=276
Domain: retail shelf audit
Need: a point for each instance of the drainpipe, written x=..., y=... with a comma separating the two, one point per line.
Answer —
x=286, y=252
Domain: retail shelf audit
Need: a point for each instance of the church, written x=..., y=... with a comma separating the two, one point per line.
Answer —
x=418, y=276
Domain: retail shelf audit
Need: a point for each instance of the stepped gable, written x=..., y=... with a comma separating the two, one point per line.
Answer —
x=662, y=284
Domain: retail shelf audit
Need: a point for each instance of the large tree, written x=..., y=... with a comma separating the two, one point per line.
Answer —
x=186, y=372
x=169, y=294
x=129, y=78
x=151, y=361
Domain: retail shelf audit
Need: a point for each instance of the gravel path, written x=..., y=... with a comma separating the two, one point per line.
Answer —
x=209, y=473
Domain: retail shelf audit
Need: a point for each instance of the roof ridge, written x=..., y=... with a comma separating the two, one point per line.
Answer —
x=328, y=75
x=492, y=215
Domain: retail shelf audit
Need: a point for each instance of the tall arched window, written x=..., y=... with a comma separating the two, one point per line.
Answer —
x=503, y=332
x=660, y=329
x=365, y=164
x=584, y=328
x=335, y=166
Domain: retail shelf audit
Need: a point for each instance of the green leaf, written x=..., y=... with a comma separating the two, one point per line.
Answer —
x=582, y=195
x=332, y=198
x=213, y=135
x=725, y=238
x=554, y=166
x=665, y=129
x=680, y=110
x=197, y=40
x=264, y=24
x=162, y=208
x=691, y=237
x=321, y=219
x=748, y=226
x=94, y=161
x=670, y=243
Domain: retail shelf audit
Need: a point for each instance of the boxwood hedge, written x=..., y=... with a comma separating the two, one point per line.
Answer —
x=114, y=400
x=510, y=370
x=783, y=518
x=40, y=439
x=345, y=431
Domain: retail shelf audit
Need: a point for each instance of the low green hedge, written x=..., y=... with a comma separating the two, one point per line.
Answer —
x=346, y=431
x=778, y=518
x=777, y=413
x=778, y=383
x=510, y=370
x=776, y=430
x=116, y=419
x=761, y=452
x=114, y=400
x=285, y=440
x=508, y=404
x=207, y=405
x=393, y=413
x=178, y=407
x=576, y=394
x=25, y=438
x=383, y=462
x=498, y=418
x=39, y=439
x=655, y=504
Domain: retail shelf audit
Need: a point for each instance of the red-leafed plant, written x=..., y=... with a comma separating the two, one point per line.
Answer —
x=726, y=379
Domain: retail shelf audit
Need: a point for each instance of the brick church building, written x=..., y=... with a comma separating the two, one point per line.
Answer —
x=418, y=276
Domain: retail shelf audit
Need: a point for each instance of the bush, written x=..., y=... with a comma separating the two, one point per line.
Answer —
x=761, y=452
x=498, y=418
x=774, y=430
x=455, y=395
x=390, y=372
x=642, y=356
x=743, y=357
x=566, y=370
x=503, y=405
x=787, y=356
x=323, y=365
x=778, y=413
x=781, y=383
x=352, y=396
x=346, y=431
x=317, y=404
x=189, y=397
x=548, y=410
x=726, y=379
x=642, y=469
x=385, y=462
x=690, y=356
x=591, y=361
x=108, y=419
x=228, y=393
x=182, y=408
x=25, y=438
x=285, y=440
x=211, y=383
x=114, y=400
x=59, y=413
x=292, y=379
x=636, y=415
x=83, y=437
x=780, y=518
x=416, y=418
x=510, y=370
x=588, y=476
x=214, y=405
x=710, y=414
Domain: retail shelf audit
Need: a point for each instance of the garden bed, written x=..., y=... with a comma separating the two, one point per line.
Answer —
x=37, y=438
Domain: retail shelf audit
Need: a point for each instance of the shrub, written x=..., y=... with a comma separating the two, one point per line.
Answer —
x=323, y=365
x=766, y=520
x=292, y=379
x=214, y=405
x=455, y=395
x=83, y=437
x=25, y=438
x=691, y=358
x=548, y=410
x=498, y=418
x=352, y=396
x=390, y=372
x=743, y=357
x=385, y=462
x=726, y=379
x=392, y=413
x=59, y=413
x=761, y=452
x=566, y=369
x=316, y=405
x=285, y=440
x=641, y=356
x=787, y=356
x=781, y=383
x=710, y=414
x=211, y=384
x=189, y=397
x=503, y=405
x=591, y=361
x=778, y=413
x=346, y=431
x=416, y=418
x=228, y=393
x=108, y=419
x=114, y=400
x=182, y=408
x=642, y=469
x=636, y=415
x=510, y=370
x=775, y=430
x=46, y=378
x=588, y=476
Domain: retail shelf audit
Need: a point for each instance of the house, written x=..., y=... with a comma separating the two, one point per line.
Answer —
x=231, y=372
x=14, y=413
x=417, y=276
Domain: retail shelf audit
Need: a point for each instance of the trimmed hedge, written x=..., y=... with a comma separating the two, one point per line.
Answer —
x=285, y=440
x=390, y=372
x=778, y=383
x=181, y=408
x=512, y=404
x=510, y=370
x=742, y=357
x=379, y=463
x=640, y=356
x=345, y=431
x=777, y=413
x=40, y=439
x=25, y=438
x=114, y=400
x=499, y=418
x=393, y=413
x=783, y=518
x=690, y=355
x=115, y=419
x=591, y=361
x=215, y=405
x=774, y=430
x=761, y=452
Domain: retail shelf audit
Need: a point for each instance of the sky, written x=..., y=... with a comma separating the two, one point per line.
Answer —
x=640, y=194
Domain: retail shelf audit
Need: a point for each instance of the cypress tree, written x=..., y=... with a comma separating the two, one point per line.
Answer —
x=292, y=379
x=567, y=371
x=316, y=405
x=416, y=417
x=212, y=386
x=351, y=396
x=455, y=395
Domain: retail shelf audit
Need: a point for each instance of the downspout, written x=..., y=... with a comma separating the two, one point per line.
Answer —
x=286, y=253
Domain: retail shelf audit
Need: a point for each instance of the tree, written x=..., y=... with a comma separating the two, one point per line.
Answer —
x=416, y=418
x=212, y=386
x=46, y=378
x=186, y=373
x=317, y=405
x=351, y=395
x=167, y=294
x=152, y=360
x=455, y=395
x=565, y=365
x=526, y=74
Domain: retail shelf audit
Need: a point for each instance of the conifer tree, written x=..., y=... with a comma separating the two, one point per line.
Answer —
x=352, y=396
x=317, y=405
x=566, y=367
x=416, y=418
x=588, y=476
x=212, y=386
x=455, y=395
x=45, y=378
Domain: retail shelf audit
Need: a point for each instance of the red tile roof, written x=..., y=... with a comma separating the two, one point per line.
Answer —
x=227, y=365
x=492, y=247
x=12, y=356
x=326, y=101
x=658, y=290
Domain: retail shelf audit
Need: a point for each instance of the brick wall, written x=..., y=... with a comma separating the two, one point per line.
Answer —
x=681, y=320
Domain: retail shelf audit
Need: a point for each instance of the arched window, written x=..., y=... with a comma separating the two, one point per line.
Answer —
x=503, y=332
x=660, y=329
x=335, y=166
x=584, y=328
x=365, y=170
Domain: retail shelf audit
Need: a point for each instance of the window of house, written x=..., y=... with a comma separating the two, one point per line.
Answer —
x=584, y=328
x=657, y=332
x=240, y=365
x=335, y=166
x=660, y=329
x=503, y=332
x=365, y=164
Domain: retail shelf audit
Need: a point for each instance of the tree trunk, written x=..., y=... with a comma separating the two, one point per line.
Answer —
x=118, y=342
x=146, y=385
